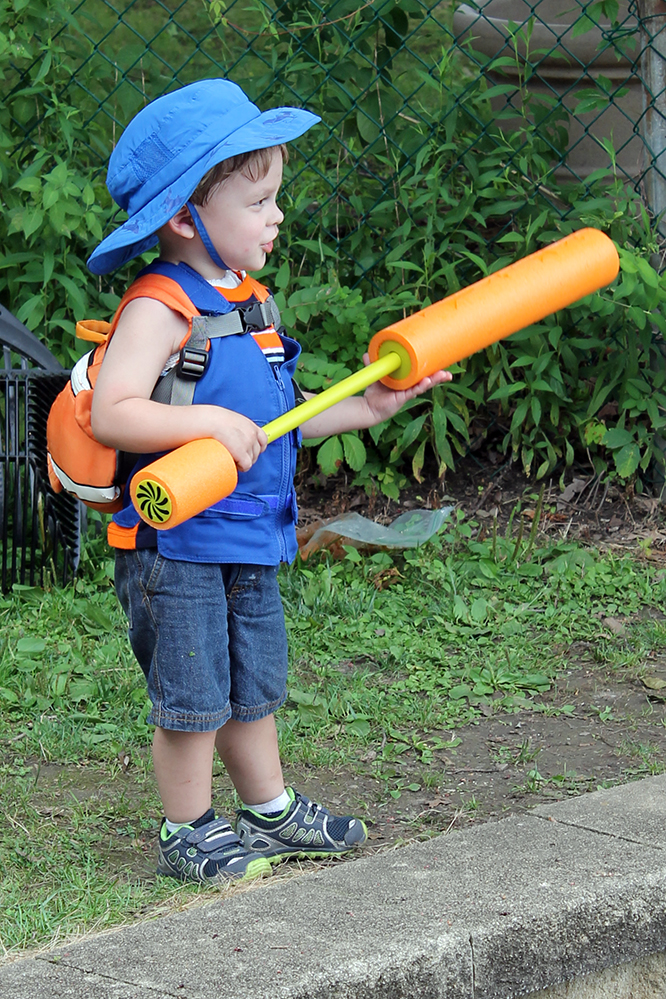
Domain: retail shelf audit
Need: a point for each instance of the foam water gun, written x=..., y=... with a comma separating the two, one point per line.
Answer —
x=193, y=477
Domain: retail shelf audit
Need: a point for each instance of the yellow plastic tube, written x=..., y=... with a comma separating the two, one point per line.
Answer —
x=188, y=480
x=198, y=474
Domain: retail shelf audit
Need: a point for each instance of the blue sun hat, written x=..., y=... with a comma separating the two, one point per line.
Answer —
x=170, y=145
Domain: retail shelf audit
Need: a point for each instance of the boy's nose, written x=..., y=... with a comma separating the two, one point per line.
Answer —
x=278, y=217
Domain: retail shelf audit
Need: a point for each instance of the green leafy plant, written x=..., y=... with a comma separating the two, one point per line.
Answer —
x=53, y=206
x=450, y=191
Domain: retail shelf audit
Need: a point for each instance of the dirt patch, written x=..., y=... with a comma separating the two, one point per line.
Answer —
x=507, y=763
x=594, y=729
x=117, y=805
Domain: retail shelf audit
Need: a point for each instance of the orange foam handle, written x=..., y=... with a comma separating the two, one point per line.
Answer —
x=184, y=482
x=500, y=304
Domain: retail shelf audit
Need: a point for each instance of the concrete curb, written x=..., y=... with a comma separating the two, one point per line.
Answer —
x=496, y=911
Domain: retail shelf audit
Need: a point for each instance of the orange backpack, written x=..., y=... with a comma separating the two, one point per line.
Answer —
x=76, y=461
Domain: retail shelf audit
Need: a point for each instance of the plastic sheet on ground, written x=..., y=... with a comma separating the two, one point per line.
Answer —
x=407, y=531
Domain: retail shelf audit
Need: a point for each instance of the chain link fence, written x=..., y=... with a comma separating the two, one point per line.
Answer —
x=389, y=78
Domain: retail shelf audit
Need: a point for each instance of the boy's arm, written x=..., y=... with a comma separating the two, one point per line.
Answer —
x=123, y=415
x=377, y=404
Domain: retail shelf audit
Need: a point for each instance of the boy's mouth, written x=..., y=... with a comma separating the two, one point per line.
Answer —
x=267, y=247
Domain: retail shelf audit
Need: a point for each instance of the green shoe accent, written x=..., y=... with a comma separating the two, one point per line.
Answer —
x=207, y=851
x=259, y=868
x=165, y=834
x=303, y=829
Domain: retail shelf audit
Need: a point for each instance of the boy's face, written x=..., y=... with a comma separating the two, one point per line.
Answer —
x=241, y=217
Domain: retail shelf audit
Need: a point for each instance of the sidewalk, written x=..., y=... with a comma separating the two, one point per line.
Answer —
x=496, y=911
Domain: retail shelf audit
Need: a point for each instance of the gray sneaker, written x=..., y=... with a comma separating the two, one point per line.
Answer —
x=303, y=829
x=208, y=851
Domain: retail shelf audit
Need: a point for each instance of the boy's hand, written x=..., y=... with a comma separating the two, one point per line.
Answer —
x=243, y=439
x=384, y=402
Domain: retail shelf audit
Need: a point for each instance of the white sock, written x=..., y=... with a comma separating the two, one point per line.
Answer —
x=172, y=826
x=274, y=806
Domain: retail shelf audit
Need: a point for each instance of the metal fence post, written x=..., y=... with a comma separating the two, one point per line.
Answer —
x=652, y=17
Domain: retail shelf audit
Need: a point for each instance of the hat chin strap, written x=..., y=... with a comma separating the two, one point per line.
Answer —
x=205, y=238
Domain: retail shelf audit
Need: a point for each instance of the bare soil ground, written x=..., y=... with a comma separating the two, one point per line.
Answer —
x=509, y=763
x=584, y=509
x=502, y=765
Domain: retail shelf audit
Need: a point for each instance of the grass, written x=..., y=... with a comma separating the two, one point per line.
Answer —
x=390, y=653
x=465, y=621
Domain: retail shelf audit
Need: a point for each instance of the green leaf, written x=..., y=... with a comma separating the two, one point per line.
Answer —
x=617, y=437
x=535, y=407
x=281, y=279
x=30, y=646
x=51, y=196
x=330, y=456
x=507, y=390
x=460, y=608
x=26, y=220
x=417, y=461
x=368, y=118
x=582, y=26
x=96, y=616
x=48, y=263
x=412, y=431
x=354, y=451
x=31, y=184
x=479, y=609
x=533, y=681
x=458, y=692
x=358, y=727
x=626, y=460
x=647, y=272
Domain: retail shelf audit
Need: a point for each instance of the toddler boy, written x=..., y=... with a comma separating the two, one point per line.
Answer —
x=198, y=171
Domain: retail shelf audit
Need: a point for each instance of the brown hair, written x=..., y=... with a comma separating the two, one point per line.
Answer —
x=254, y=165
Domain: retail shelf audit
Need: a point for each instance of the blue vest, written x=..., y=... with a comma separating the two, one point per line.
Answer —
x=256, y=523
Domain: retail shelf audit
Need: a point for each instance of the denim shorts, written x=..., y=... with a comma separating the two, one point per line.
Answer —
x=210, y=638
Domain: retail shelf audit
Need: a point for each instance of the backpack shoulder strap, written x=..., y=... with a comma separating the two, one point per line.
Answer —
x=260, y=291
x=162, y=288
x=184, y=291
x=170, y=389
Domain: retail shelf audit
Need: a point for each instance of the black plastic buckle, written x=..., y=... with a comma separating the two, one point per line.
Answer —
x=254, y=318
x=192, y=362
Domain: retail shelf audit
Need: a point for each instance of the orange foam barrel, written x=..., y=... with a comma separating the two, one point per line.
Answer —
x=183, y=483
x=500, y=304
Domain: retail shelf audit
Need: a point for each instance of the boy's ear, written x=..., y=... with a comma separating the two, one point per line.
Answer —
x=181, y=224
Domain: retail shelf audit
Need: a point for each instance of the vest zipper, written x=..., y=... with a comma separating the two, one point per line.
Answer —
x=286, y=468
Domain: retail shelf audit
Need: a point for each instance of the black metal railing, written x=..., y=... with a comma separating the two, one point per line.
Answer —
x=39, y=529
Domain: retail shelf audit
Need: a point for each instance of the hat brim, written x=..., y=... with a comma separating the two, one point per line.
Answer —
x=138, y=233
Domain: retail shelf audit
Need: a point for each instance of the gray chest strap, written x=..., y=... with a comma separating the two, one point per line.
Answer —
x=176, y=388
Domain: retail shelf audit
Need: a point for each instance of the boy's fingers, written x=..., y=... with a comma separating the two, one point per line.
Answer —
x=436, y=379
x=251, y=450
